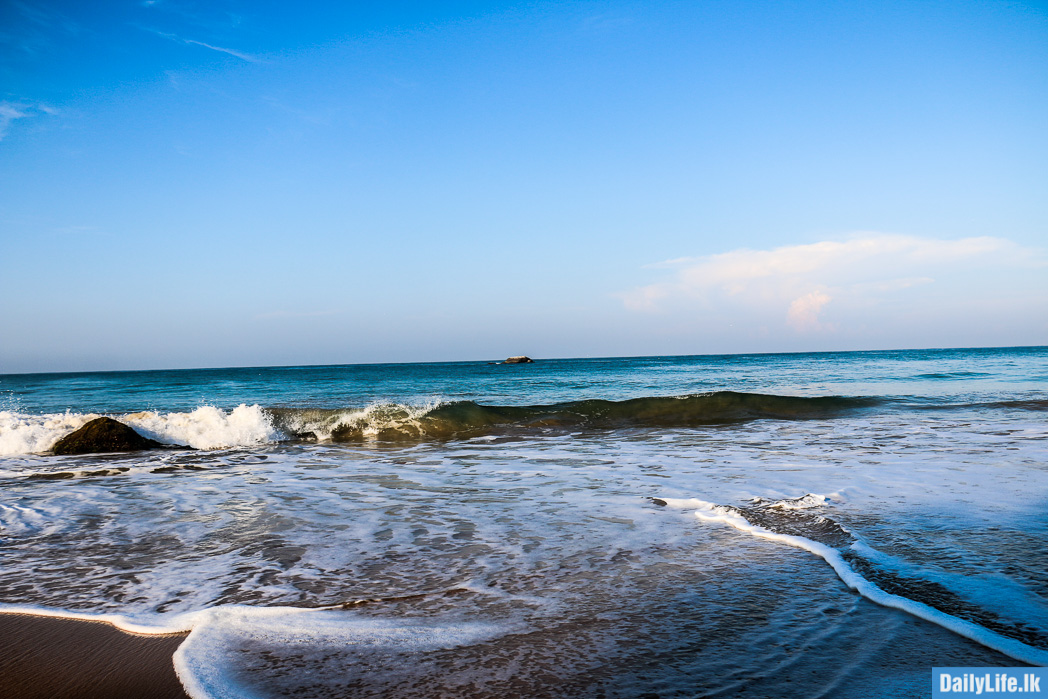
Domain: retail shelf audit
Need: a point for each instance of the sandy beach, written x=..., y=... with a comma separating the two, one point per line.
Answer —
x=51, y=658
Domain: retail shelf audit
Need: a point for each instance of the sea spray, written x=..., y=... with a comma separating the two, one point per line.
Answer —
x=208, y=427
x=29, y=434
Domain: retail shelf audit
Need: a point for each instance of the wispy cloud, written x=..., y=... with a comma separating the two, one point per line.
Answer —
x=193, y=42
x=33, y=29
x=801, y=283
x=8, y=113
x=11, y=111
x=238, y=54
x=45, y=17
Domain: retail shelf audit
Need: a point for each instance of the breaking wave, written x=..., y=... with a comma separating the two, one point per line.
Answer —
x=466, y=419
x=209, y=427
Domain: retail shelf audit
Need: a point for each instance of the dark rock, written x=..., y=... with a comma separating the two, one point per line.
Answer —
x=61, y=475
x=519, y=360
x=658, y=501
x=101, y=436
x=304, y=436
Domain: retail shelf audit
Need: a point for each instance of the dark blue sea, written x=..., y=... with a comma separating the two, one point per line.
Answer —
x=791, y=525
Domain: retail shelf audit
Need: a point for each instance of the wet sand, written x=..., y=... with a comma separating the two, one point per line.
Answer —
x=52, y=658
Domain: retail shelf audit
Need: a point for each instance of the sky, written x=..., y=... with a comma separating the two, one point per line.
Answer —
x=227, y=183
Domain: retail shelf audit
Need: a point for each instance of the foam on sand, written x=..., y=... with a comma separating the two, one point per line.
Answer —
x=216, y=633
x=229, y=627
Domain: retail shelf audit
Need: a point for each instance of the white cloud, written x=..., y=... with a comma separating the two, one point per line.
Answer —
x=10, y=111
x=796, y=286
x=803, y=313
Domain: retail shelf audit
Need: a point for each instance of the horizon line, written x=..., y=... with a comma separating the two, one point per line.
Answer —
x=536, y=360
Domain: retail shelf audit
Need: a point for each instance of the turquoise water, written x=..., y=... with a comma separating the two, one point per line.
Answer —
x=966, y=374
x=752, y=525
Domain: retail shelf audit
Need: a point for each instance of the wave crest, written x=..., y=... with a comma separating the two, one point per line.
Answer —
x=465, y=419
x=32, y=434
x=206, y=427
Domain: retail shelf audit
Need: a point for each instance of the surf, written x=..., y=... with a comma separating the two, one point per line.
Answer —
x=862, y=568
x=209, y=427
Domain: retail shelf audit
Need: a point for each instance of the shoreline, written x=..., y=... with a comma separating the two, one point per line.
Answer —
x=62, y=658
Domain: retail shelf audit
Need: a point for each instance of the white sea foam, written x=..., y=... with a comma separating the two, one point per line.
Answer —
x=710, y=512
x=805, y=502
x=227, y=628
x=204, y=659
x=147, y=625
x=19, y=520
x=990, y=590
x=347, y=523
x=207, y=427
x=31, y=434
x=370, y=420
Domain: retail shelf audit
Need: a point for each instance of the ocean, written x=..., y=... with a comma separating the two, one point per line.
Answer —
x=767, y=525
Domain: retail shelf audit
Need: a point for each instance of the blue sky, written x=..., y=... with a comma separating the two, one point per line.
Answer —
x=252, y=183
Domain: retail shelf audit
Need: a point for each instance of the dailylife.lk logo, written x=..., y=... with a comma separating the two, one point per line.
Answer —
x=964, y=682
